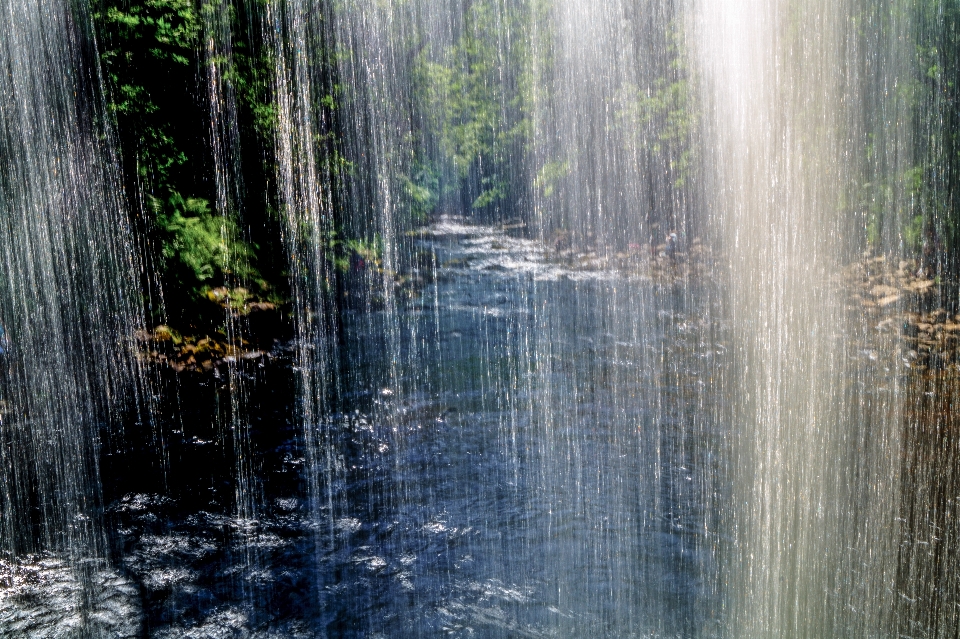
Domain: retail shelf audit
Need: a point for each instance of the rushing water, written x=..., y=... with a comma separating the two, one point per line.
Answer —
x=783, y=123
x=497, y=488
x=566, y=422
x=68, y=314
x=554, y=461
x=490, y=490
x=520, y=477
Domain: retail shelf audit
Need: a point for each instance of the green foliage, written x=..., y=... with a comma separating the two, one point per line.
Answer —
x=422, y=189
x=340, y=251
x=936, y=106
x=157, y=68
x=198, y=247
x=664, y=115
x=149, y=56
x=370, y=250
x=168, y=28
x=892, y=209
x=873, y=199
x=913, y=233
x=492, y=191
x=550, y=175
x=250, y=76
x=474, y=119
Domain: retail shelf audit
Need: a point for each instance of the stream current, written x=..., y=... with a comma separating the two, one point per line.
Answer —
x=521, y=449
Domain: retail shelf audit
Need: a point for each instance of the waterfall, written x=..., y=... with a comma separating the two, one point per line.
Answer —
x=813, y=513
x=297, y=39
x=68, y=301
x=585, y=318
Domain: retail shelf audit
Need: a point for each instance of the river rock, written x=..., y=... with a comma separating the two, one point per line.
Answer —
x=884, y=291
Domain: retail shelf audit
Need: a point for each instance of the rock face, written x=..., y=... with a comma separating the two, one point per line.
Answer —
x=166, y=347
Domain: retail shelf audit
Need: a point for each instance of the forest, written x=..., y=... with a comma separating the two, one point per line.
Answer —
x=192, y=91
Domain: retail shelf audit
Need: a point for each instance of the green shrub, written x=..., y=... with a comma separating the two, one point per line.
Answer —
x=199, y=251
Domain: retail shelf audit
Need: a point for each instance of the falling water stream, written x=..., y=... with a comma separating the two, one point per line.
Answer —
x=572, y=423
x=69, y=314
x=783, y=122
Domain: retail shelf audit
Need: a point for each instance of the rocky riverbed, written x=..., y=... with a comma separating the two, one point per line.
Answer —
x=900, y=300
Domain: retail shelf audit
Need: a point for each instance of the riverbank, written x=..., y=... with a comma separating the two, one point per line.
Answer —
x=250, y=328
x=894, y=297
x=262, y=330
x=899, y=299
